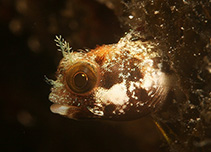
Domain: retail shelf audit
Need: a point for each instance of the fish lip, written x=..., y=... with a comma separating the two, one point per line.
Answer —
x=72, y=112
x=59, y=109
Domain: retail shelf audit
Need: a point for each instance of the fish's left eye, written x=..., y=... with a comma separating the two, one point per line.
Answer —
x=81, y=78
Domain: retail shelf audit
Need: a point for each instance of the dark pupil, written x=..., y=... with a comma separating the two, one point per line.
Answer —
x=80, y=79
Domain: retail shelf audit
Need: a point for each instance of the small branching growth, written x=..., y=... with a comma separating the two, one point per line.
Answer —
x=49, y=81
x=63, y=45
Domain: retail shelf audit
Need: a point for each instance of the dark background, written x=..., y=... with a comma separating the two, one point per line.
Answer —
x=28, y=53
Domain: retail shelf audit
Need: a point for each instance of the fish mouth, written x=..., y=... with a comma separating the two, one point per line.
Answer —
x=72, y=112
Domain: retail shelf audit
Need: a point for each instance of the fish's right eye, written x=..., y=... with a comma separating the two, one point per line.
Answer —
x=81, y=78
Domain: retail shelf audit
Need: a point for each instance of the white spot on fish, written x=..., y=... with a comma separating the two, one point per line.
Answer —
x=117, y=94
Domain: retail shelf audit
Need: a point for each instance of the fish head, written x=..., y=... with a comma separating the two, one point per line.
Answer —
x=120, y=81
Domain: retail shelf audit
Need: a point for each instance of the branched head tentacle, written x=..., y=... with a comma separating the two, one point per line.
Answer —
x=63, y=45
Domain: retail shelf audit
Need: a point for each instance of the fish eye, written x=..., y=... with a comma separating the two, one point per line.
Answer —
x=81, y=78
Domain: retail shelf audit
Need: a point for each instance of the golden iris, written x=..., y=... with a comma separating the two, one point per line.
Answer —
x=81, y=78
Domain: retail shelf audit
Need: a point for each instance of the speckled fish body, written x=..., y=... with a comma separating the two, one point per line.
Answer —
x=119, y=82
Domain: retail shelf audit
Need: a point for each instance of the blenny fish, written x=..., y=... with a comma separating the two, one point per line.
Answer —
x=122, y=81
